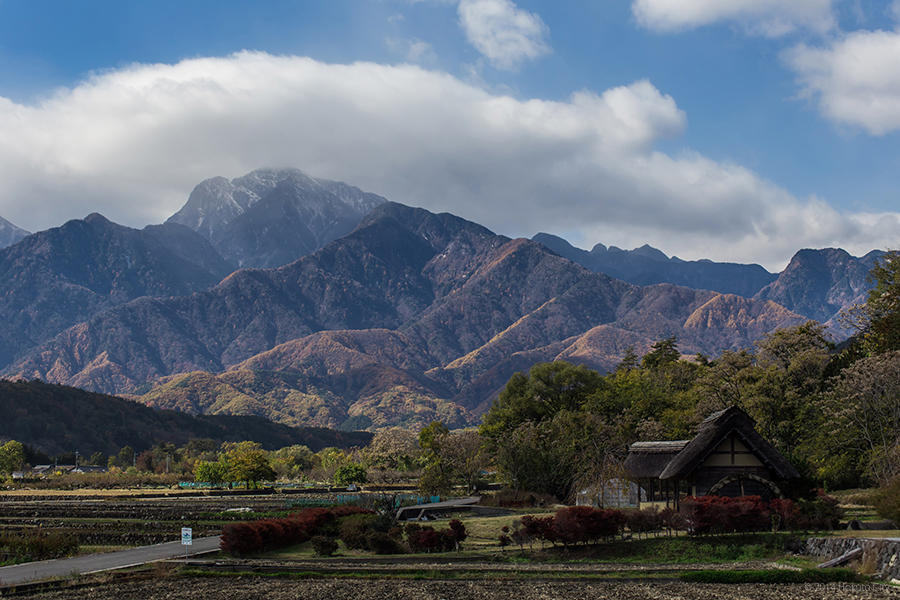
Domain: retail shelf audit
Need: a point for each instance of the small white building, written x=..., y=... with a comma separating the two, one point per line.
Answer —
x=614, y=493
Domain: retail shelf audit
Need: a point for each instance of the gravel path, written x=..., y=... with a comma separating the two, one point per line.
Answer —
x=253, y=588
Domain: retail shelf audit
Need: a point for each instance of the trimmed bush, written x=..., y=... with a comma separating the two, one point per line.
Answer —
x=424, y=538
x=382, y=543
x=570, y=525
x=583, y=524
x=458, y=530
x=643, y=521
x=820, y=512
x=538, y=528
x=324, y=545
x=354, y=529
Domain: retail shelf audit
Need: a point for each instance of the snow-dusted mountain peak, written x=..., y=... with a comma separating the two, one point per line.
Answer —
x=9, y=233
x=271, y=216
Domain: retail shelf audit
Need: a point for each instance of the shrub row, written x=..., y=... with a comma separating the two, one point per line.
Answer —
x=102, y=481
x=570, y=525
x=27, y=547
x=270, y=534
x=718, y=514
x=698, y=516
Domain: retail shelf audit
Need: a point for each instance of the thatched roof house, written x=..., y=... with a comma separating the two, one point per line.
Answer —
x=727, y=457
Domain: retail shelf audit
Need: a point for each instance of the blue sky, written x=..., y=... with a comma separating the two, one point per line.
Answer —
x=700, y=118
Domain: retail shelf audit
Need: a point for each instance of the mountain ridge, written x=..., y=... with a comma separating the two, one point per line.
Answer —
x=447, y=291
x=819, y=283
x=647, y=265
x=54, y=279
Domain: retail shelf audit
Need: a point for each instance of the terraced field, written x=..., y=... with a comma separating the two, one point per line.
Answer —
x=255, y=588
x=116, y=521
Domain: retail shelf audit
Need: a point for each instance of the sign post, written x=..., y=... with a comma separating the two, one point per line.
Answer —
x=186, y=539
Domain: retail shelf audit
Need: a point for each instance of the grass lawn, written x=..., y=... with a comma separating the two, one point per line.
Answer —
x=680, y=550
x=874, y=533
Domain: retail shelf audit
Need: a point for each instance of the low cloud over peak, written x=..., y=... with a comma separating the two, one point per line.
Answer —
x=132, y=143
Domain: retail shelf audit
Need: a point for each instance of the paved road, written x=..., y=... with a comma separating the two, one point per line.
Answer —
x=107, y=561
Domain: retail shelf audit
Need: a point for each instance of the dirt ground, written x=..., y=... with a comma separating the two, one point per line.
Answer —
x=256, y=588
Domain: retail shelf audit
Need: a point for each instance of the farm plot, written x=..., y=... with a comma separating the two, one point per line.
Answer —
x=177, y=588
x=105, y=523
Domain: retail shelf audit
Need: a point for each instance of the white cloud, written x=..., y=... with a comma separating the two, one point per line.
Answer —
x=413, y=50
x=506, y=35
x=771, y=18
x=856, y=79
x=132, y=143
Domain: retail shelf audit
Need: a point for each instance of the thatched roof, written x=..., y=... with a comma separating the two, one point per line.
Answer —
x=677, y=460
x=713, y=431
x=647, y=460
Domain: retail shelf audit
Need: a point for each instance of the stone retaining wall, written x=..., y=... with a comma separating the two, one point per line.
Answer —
x=885, y=554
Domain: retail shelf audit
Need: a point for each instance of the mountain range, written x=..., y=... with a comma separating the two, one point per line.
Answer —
x=817, y=284
x=410, y=317
x=647, y=265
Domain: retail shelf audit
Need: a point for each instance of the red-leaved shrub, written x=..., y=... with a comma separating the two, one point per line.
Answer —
x=270, y=534
x=719, y=514
x=423, y=538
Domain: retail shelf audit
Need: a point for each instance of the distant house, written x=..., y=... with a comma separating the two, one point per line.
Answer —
x=89, y=469
x=45, y=470
x=727, y=457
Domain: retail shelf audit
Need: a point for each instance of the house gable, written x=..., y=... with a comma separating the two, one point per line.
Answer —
x=732, y=452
